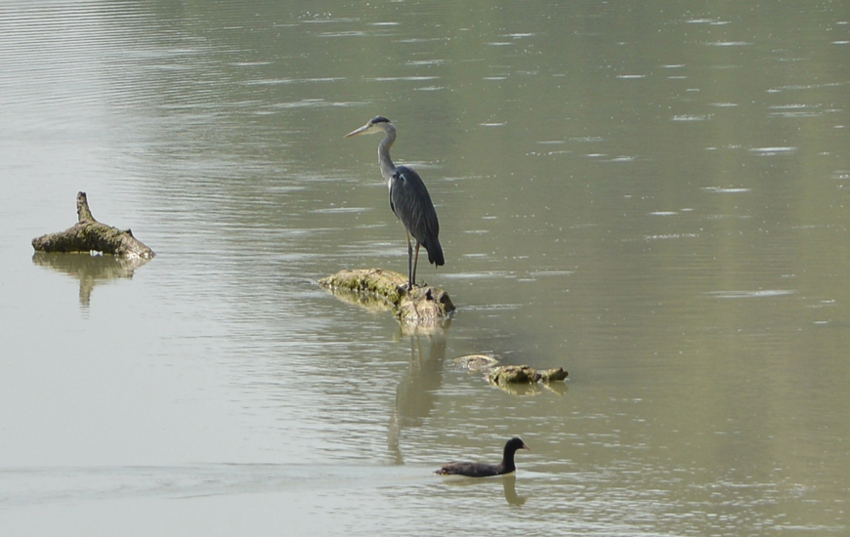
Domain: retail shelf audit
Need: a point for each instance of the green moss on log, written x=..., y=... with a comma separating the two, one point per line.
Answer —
x=523, y=374
x=423, y=305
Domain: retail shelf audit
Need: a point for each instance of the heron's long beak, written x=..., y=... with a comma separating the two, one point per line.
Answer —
x=361, y=130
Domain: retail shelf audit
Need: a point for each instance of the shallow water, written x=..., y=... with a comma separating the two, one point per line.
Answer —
x=653, y=197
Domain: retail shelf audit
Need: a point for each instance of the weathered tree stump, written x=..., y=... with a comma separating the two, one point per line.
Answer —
x=385, y=289
x=90, y=235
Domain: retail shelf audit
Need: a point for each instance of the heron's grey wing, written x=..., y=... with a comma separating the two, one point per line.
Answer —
x=411, y=203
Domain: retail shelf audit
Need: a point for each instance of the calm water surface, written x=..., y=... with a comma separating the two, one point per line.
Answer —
x=652, y=195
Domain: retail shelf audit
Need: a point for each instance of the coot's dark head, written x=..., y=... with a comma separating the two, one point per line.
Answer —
x=516, y=443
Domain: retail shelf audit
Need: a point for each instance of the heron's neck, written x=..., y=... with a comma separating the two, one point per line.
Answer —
x=387, y=166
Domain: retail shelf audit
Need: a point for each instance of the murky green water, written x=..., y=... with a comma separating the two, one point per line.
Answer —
x=652, y=195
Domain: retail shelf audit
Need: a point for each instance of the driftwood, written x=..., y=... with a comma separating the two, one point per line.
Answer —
x=89, y=235
x=514, y=379
x=379, y=289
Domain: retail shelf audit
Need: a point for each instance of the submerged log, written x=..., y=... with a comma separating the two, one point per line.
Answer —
x=523, y=374
x=89, y=235
x=514, y=379
x=385, y=289
x=477, y=362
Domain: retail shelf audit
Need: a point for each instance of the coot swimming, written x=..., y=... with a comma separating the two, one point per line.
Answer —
x=479, y=469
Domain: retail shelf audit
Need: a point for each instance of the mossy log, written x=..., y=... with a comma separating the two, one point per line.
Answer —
x=515, y=379
x=523, y=374
x=502, y=375
x=385, y=289
x=89, y=235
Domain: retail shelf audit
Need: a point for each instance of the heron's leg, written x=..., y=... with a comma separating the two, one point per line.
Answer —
x=409, y=261
x=415, y=262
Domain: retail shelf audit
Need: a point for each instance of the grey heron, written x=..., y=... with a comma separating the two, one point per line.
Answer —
x=409, y=199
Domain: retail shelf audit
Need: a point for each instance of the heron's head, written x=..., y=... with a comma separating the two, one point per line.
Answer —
x=376, y=124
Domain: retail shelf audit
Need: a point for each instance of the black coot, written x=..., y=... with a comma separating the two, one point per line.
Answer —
x=478, y=469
